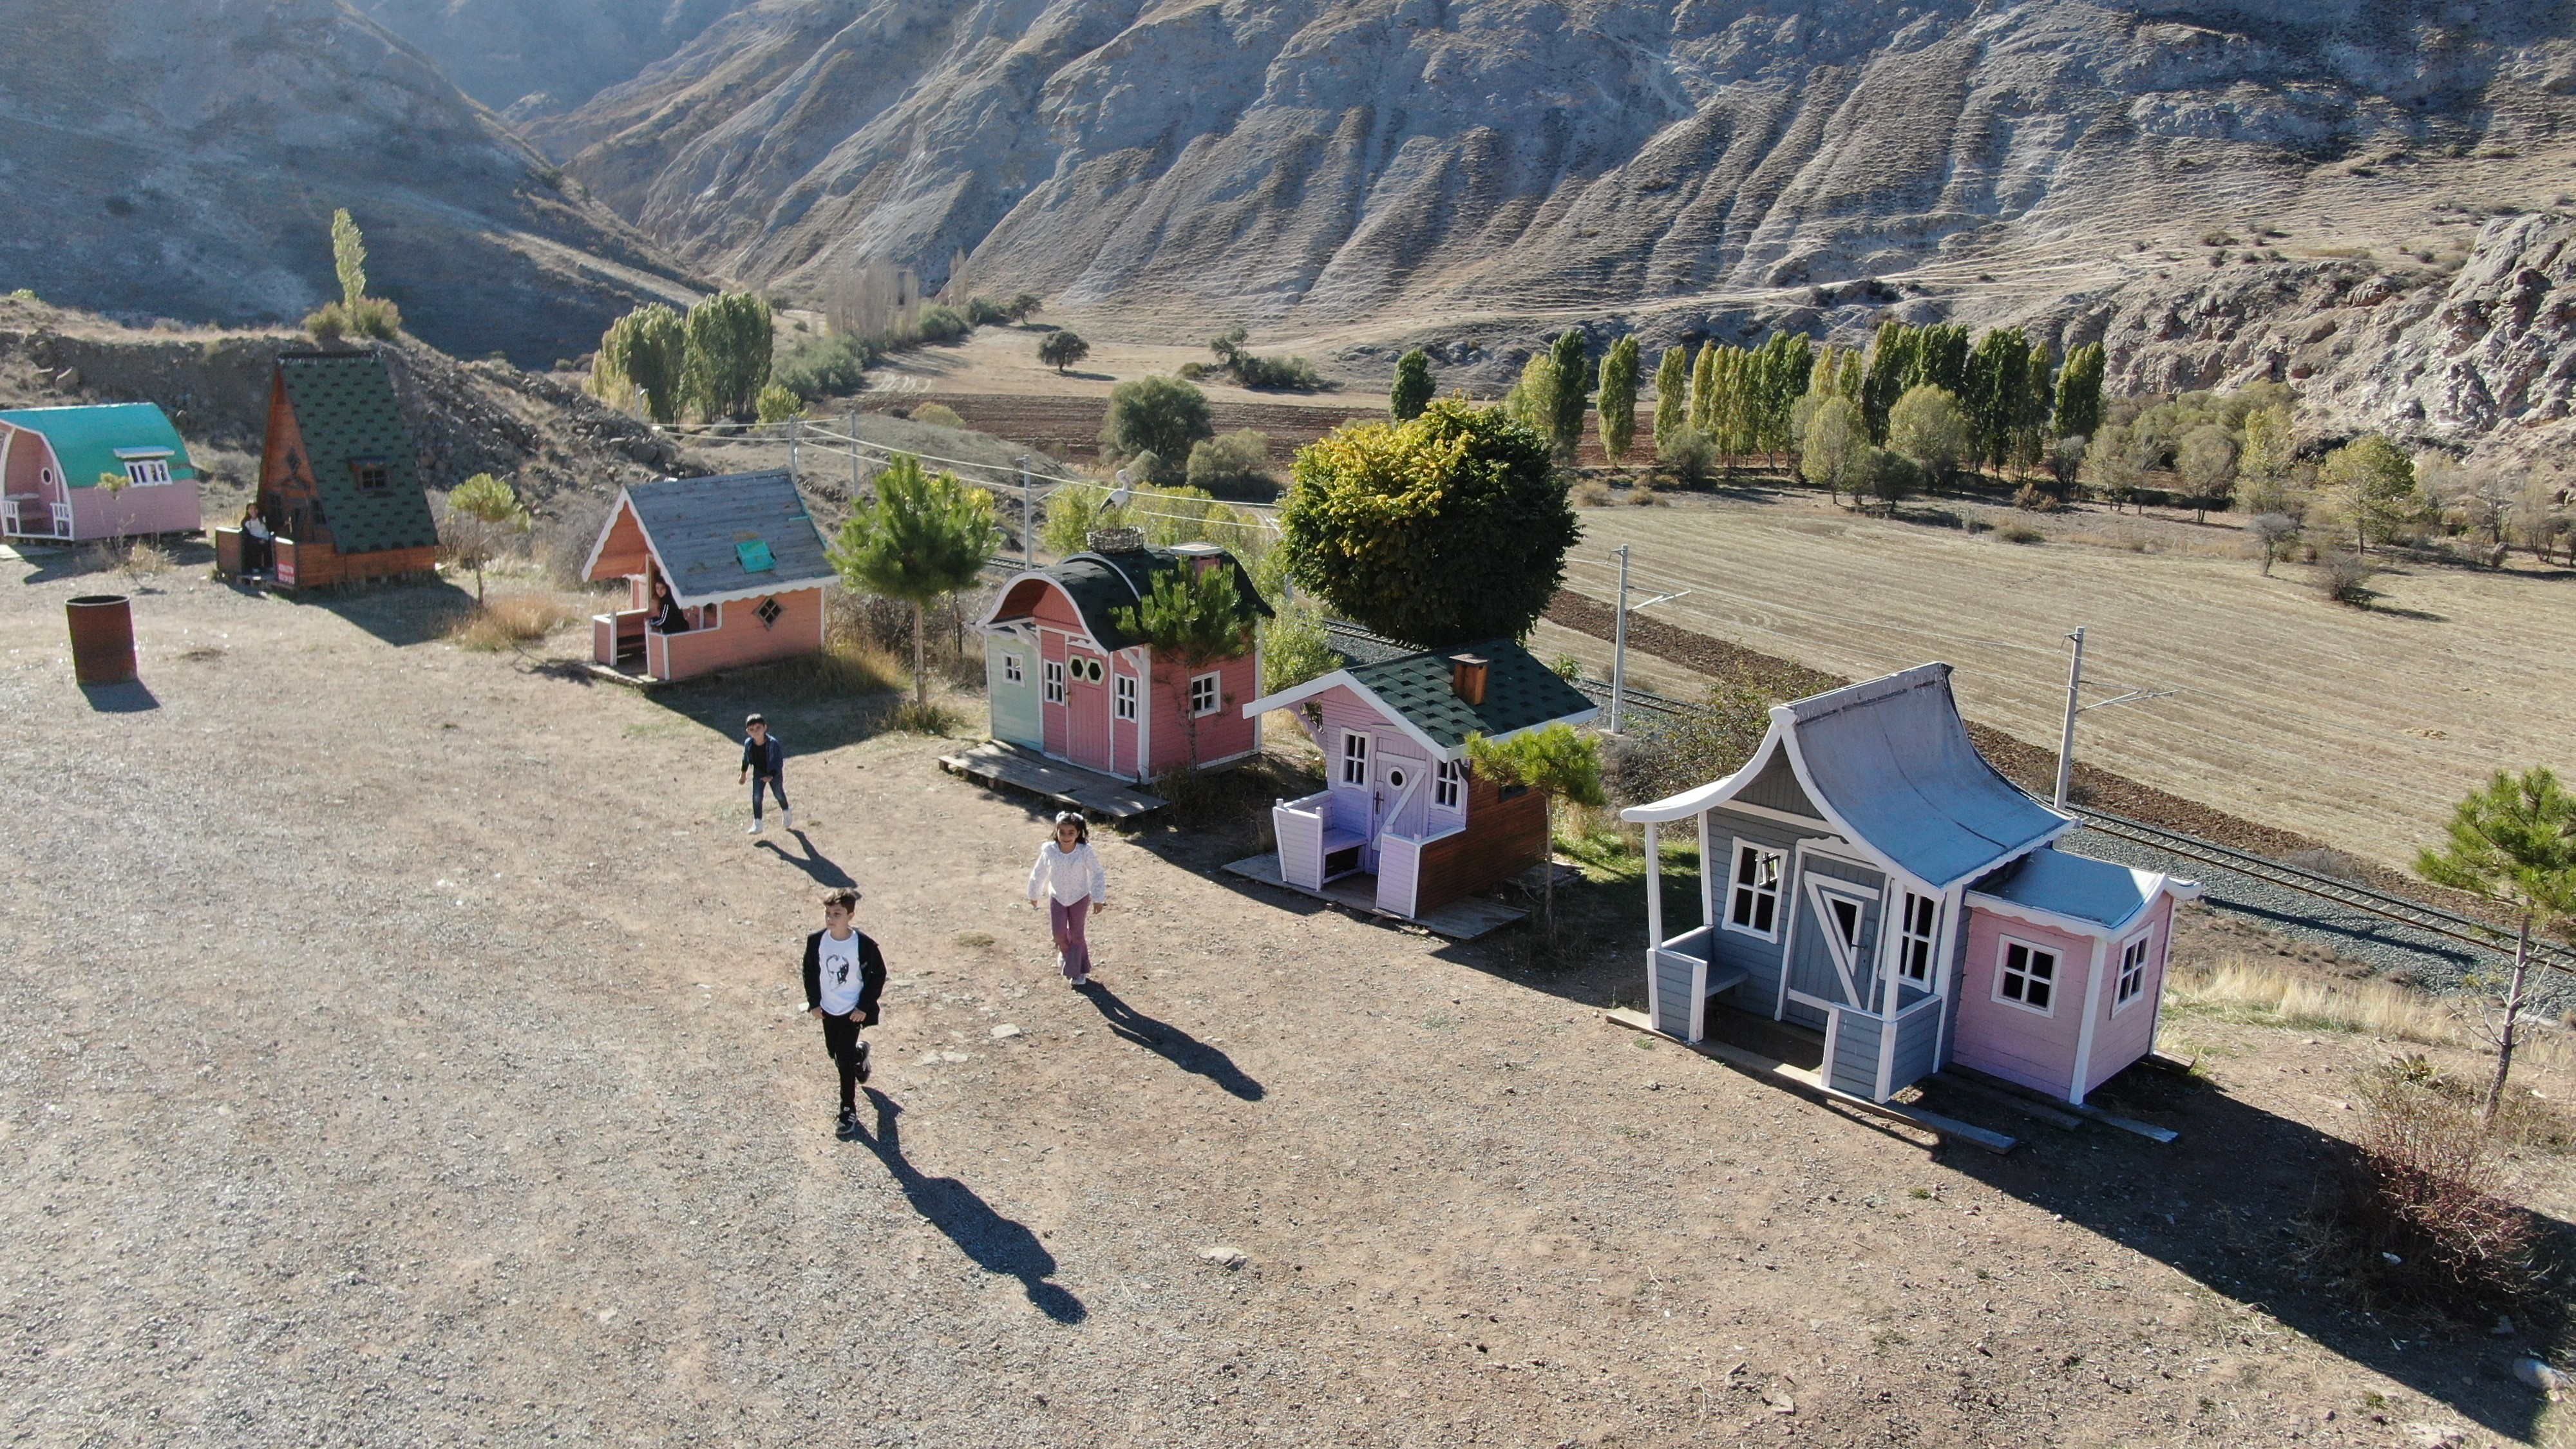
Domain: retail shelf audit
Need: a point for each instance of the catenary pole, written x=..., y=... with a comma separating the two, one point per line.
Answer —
x=1028, y=518
x=1619, y=647
x=2066, y=737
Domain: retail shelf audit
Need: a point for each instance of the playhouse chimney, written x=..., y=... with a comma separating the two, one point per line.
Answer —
x=1467, y=677
x=1200, y=556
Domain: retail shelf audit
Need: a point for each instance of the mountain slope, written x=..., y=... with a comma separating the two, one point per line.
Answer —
x=182, y=158
x=540, y=56
x=1308, y=162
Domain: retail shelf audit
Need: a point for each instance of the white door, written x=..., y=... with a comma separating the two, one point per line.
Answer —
x=1397, y=797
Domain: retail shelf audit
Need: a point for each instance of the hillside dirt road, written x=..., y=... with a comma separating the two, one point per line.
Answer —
x=401, y=1046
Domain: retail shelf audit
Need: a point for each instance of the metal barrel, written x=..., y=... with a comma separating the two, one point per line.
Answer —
x=102, y=638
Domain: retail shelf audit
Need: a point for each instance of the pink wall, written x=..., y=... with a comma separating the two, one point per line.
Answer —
x=30, y=458
x=2123, y=1035
x=1221, y=734
x=162, y=508
x=743, y=639
x=2001, y=1037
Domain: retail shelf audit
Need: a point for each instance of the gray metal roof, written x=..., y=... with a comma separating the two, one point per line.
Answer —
x=696, y=523
x=2097, y=891
x=1892, y=758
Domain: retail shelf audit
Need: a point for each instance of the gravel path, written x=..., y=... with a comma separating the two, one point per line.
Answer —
x=400, y=1046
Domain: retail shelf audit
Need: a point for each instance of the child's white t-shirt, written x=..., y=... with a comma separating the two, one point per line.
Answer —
x=840, y=972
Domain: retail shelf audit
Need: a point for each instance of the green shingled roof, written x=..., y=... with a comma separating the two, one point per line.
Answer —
x=344, y=407
x=86, y=440
x=1519, y=692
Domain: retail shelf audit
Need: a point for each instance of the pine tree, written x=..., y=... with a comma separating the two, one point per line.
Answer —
x=1672, y=393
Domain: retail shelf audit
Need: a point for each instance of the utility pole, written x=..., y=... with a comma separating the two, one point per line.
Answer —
x=795, y=434
x=1028, y=518
x=1619, y=646
x=2066, y=737
x=854, y=456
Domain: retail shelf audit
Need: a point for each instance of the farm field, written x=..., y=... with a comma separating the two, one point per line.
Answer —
x=402, y=1045
x=2360, y=728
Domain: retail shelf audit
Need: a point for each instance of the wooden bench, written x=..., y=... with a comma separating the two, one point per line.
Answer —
x=1722, y=979
x=1342, y=852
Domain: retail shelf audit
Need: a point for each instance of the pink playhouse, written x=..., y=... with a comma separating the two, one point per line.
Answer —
x=114, y=470
x=1067, y=681
x=1868, y=875
x=746, y=570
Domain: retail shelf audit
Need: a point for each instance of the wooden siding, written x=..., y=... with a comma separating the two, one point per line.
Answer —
x=743, y=639
x=1299, y=824
x=288, y=498
x=1854, y=1068
x=1777, y=788
x=1502, y=838
x=2006, y=1040
x=1673, y=975
x=1015, y=706
x=1811, y=966
x=625, y=554
x=1916, y=1038
x=1127, y=736
x=1221, y=735
x=161, y=508
x=1760, y=959
x=2122, y=1037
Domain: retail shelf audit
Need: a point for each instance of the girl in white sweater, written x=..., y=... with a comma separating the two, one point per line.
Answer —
x=1068, y=877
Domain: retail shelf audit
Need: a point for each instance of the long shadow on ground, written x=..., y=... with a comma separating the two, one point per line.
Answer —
x=996, y=1243
x=818, y=867
x=1172, y=1044
x=399, y=612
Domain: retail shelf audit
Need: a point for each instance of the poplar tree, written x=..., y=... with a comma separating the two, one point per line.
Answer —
x=1703, y=401
x=2079, y=393
x=1994, y=389
x=729, y=349
x=349, y=258
x=1672, y=393
x=1890, y=372
x=647, y=349
x=1942, y=361
x=1412, y=390
x=1571, y=361
x=1618, y=404
x=2030, y=418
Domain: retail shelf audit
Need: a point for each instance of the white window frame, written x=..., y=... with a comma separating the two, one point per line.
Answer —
x=1215, y=682
x=147, y=472
x=1449, y=784
x=1122, y=697
x=1736, y=884
x=1355, y=761
x=2126, y=988
x=710, y=616
x=2054, y=981
x=1055, y=681
x=1011, y=671
x=1923, y=945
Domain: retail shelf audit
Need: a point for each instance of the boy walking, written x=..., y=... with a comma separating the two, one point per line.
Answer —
x=844, y=974
x=764, y=762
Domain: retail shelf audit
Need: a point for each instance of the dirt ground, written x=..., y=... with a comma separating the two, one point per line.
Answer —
x=401, y=1045
x=2362, y=728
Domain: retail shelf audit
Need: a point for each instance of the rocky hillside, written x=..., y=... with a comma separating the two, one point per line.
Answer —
x=1305, y=164
x=182, y=158
x=563, y=448
x=536, y=57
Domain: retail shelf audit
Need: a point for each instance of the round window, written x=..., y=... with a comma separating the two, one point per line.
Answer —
x=1395, y=778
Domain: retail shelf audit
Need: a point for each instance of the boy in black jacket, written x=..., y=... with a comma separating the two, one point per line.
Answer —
x=844, y=975
x=764, y=764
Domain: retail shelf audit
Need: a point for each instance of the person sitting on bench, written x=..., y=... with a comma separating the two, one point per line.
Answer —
x=667, y=618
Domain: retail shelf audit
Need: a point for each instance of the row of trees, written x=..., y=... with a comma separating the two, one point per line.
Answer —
x=715, y=358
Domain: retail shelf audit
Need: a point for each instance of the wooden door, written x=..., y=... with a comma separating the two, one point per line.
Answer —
x=1833, y=950
x=1398, y=793
x=1087, y=710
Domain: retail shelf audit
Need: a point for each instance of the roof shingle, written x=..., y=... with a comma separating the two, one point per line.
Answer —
x=345, y=410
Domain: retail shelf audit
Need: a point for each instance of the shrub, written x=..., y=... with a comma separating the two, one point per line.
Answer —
x=778, y=404
x=1162, y=415
x=1644, y=495
x=1887, y=476
x=1295, y=648
x=924, y=717
x=1413, y=386
x=1591, y=493
x=938, y=415
x=371, y=317
x=1664, y=755
x=2422, y=1218
x=1293, y=374
x=509, y=620
x=1567, y=668
x=1238, y=462
x=2344, y=577
x=820, y=367
x=2038, y=499
x=1687, y=456
x=942, y=323
x=2020, y=533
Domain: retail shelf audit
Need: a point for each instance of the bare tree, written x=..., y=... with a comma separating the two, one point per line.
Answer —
x=2271, y=530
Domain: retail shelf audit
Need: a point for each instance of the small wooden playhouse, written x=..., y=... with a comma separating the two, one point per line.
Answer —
x=1869, y=875
x=1401, y=803
x=55, y=464
x=1067, y=681
x=339, y=478
x=746, y=567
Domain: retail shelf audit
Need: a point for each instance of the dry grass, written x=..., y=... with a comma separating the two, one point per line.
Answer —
x=511, y=619
x=1592, y=493
x=845, y=667
x=927, y=717
x=2240, y=990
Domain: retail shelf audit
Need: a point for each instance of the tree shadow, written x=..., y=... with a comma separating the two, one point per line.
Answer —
x=1172, y=1044
x=2234, y=1204
x=996, y=1243
x=400, y=612
x=817, y=866
x=132, y=696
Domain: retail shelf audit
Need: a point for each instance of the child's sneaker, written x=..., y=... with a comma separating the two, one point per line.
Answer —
x=848, y=1126
x=787, y=821
x=757, y=825
x=863, y=1061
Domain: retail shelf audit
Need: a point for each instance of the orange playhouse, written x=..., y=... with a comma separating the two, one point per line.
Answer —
x=744, y=567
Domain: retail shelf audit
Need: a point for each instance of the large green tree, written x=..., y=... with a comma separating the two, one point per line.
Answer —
x=729, y=350
x=1570, y=366
x=2514, y=843
x=1672, y=393
x=1444, y=530
x=1618, y=405
x=2079, y=393
x=1928, y=426
x=1163, y=416
x=2371, y=483
x=1996, y=390
x=647, y=349
x=1836, y=446
x=1892, y=355
x=1191, y=618
x=1412, y=391
x=919, y=540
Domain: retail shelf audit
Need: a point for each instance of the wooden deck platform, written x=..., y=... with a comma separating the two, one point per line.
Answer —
x=1811, y=1083
x=1462, y=920
x=1090, y=791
